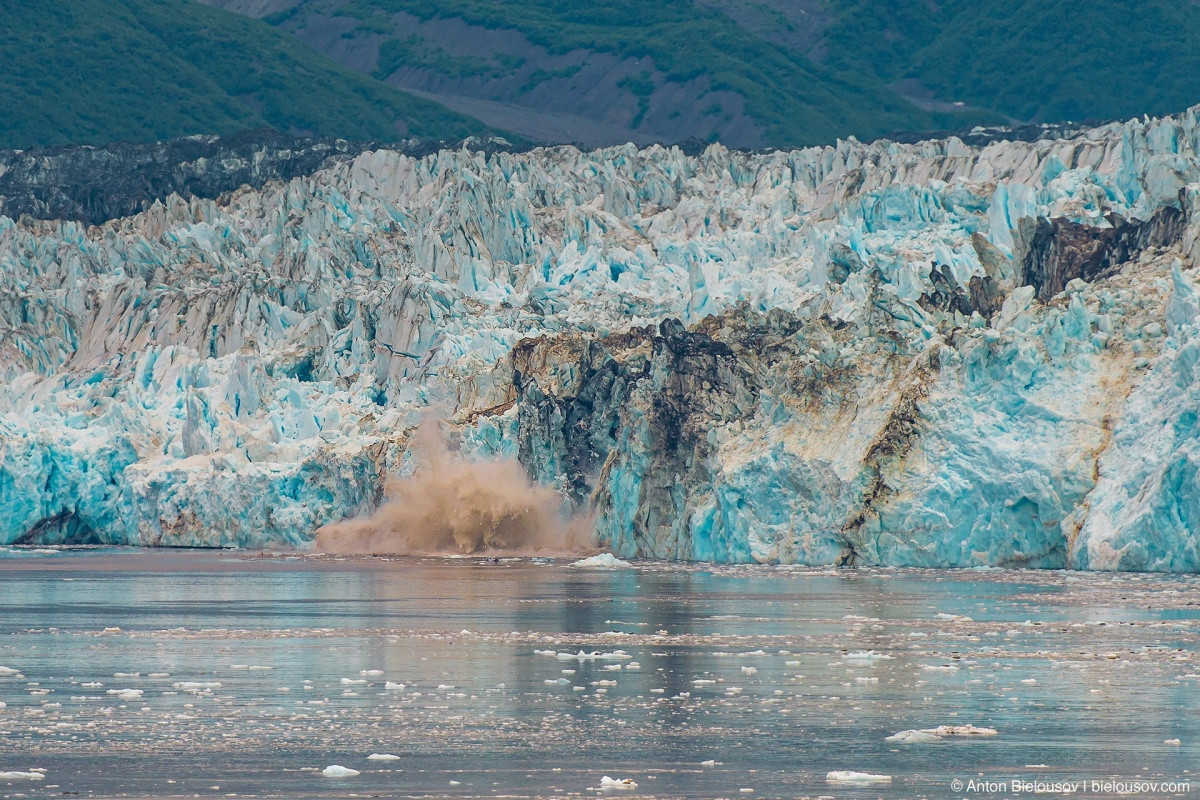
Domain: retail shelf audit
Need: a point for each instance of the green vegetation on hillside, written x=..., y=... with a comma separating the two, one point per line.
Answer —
x=95, y=71
x=1029, y=59
x=1015, y=60
x=798, y=102
x=412, y=51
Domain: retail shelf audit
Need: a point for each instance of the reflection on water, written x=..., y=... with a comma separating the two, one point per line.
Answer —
x=779, y=675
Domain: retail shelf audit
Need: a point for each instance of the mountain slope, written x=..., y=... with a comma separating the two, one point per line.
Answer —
x=95, y=71
x=762, y=72
x=667, y=71
x=1028, y=60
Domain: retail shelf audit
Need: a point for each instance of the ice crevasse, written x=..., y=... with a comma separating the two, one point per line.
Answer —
x=928, y=354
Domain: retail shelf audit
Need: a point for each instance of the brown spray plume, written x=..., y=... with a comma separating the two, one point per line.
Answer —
x=451, y=505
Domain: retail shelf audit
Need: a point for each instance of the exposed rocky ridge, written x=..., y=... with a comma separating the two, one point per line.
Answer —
x=1060, y=250
x=97, y=184
x=831, y=355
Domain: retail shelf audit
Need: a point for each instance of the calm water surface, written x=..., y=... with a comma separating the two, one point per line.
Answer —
x=255, y=673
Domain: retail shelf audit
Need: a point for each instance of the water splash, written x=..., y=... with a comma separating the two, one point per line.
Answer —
x=453, y=505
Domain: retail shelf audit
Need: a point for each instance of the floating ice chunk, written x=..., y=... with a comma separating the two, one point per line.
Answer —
x=393, y=687
x=22, y=776
x=159, y=675
x=960, y=730
x=382, y=757
x=353, y=682
x=338, y=771
x=126, y=694
x=867, y=655
x=605, y=560
x=9, y=672
x=1172, y=742
x=712, y=762
x=196, y=686
x=913, y=737
x=856, y=778
x=595, y=655
x=939, y=667
x=91, y=685
x=617, y=783
x=370, y=673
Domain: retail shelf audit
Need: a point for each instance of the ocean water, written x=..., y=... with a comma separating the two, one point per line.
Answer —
x=256, y=672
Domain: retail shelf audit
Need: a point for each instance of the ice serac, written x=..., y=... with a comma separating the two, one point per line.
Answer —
x=912, y=354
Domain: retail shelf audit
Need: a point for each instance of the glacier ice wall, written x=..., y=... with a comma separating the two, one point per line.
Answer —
x=927, y=354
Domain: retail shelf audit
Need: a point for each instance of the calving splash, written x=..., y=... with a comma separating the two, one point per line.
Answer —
x=453, y=505
x=928, y=354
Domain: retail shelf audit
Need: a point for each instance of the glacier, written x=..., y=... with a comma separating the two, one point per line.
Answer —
x=928, y=354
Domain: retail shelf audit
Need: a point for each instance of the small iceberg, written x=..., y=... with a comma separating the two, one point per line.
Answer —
x=604, y=561
x=960, y=730
x=856, y=778
x=196, y=686
x=617, y=783
x=913, y=737
x=595, y=655
x=22, y=776
x=382, y=757
x=338, y=771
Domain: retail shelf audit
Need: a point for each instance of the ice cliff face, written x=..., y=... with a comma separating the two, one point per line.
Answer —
x=925, y=354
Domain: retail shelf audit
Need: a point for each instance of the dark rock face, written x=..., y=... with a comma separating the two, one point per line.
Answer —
x=947, y=294
x=643, y=404
x=97, y=184
x=1060, y=250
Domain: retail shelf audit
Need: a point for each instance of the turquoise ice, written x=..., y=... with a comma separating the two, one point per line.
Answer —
x=241, y=372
